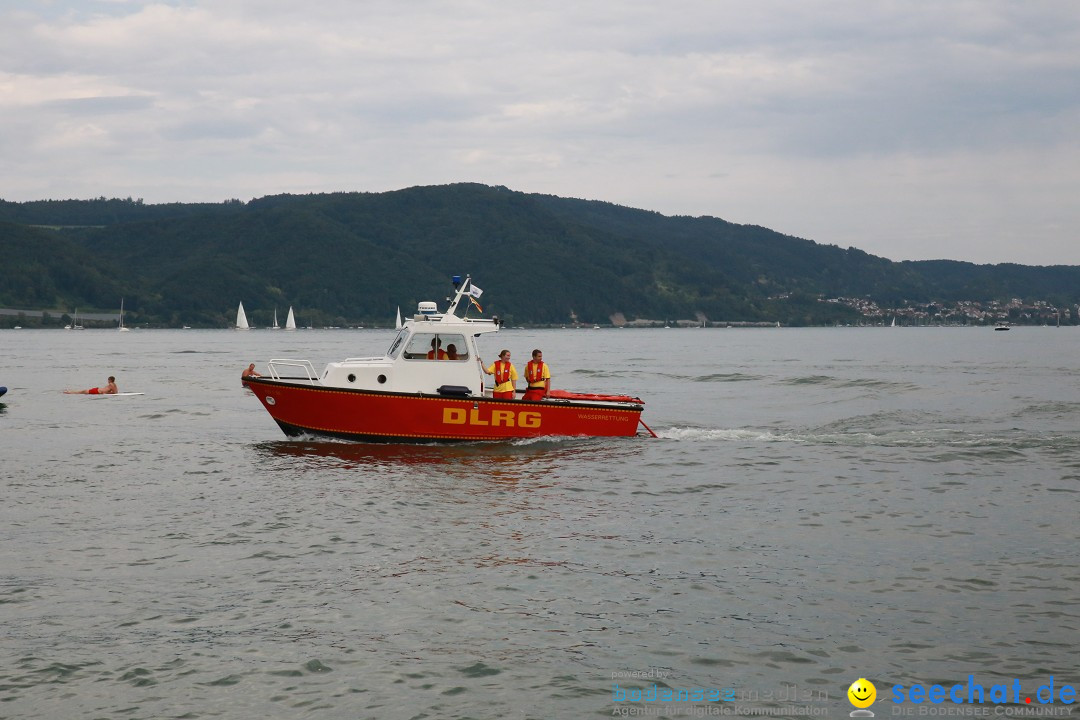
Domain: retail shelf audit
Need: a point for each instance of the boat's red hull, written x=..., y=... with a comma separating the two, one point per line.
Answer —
x=401, y=417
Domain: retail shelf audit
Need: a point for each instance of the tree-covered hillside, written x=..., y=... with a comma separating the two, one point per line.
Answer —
x=344, y=258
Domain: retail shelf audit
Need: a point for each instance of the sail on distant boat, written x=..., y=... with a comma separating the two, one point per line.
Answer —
x=122, y=327
x=290, y=321
x=397, y=323
x=275, y=326
x=241, y=319
x=74, y=322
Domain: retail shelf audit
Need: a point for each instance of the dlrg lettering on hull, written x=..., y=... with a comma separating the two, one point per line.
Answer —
x=497, y=418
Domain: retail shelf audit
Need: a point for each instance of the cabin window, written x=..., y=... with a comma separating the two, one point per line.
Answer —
x=398, y=342
x=455, y=347
x=444, y=346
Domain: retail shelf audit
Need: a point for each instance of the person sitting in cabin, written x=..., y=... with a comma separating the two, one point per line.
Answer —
x=250, y=372
x=451, y=352
x=538, y=377
x=436, y=343
x=109, y=389
x=505, y=377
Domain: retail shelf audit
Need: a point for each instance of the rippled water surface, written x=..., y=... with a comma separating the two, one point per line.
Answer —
x=821, y=505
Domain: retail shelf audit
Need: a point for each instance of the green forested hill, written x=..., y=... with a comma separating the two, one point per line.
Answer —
x=343, y=258
x=41, y=267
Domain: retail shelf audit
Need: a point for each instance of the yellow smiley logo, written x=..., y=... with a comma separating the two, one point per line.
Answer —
x=862, y=693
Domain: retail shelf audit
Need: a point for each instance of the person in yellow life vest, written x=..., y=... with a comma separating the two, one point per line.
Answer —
x=538, y=376
x=505, y=376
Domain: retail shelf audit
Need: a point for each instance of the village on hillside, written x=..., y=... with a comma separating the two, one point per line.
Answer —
x=963, y=312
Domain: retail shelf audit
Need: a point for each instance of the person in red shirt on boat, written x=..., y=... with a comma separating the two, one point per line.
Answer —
x=109, y=389
x=436, y=343
x=538, y=376
x=505, y=376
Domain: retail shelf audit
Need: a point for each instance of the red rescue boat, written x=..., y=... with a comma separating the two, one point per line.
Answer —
x=429, y=387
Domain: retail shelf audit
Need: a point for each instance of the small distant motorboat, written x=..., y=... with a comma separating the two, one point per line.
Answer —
x=418, y=393
x=1001, y=326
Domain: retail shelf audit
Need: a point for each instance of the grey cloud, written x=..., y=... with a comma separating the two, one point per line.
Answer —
x=101, y=105
x=736, y=109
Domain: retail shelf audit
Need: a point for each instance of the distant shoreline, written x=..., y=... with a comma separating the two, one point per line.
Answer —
x=97, y=317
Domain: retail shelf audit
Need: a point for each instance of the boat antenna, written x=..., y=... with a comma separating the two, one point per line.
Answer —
x=459, y=286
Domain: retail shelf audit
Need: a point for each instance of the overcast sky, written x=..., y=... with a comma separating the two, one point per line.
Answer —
x=911, y=129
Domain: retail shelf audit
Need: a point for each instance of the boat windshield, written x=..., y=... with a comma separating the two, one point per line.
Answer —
x=398, y=342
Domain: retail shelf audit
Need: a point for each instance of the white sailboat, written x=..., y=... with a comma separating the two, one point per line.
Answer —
x=241, y=319
x=122, y=328
x=397, y=324
x=275, y=325
x=290, y=321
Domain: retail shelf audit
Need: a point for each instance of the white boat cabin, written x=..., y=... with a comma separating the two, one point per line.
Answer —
x=433, y=353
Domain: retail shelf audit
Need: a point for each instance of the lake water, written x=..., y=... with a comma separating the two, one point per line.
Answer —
x=821, y=505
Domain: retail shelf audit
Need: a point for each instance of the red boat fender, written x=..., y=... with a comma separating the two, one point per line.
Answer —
x=567, y=395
